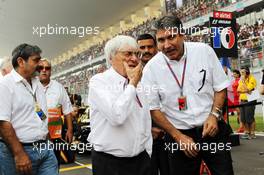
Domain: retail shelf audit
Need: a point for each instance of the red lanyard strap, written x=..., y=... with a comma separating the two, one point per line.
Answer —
x=137, y=99
x=175, y=77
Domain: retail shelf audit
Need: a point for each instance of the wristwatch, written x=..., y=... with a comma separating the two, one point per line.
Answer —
x=217, y=113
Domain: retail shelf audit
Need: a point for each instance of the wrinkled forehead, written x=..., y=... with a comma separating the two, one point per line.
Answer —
x=127, y=47
x=146, y=42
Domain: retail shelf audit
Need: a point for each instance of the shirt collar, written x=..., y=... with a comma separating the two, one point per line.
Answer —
x=47, y=86
x=184, y=56
x=18, y=78
x=117, y=76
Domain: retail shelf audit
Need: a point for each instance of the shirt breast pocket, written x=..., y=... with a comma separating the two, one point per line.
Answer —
x=201, y=81
x=52, y=99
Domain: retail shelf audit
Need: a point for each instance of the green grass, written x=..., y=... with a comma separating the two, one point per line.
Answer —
x=259, y=123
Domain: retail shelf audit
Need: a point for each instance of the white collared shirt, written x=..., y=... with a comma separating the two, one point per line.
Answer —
x=119, y=126
x=202, y=62
x=57, y=95
x=18, y=107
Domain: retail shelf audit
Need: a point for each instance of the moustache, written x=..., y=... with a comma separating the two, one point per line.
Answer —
x=170, y=50
x=146, y=54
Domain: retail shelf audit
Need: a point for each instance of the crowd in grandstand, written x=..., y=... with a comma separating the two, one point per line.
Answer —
x=186, y=12
x=196, y=9
x=245, y=32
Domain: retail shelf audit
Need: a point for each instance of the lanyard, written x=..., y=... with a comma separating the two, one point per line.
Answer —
x=38, y=110
x=175, y=77
x=33, y=95
x=137, y=99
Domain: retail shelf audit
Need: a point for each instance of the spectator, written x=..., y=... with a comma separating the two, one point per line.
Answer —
x=235, y=83
x=262, y=84
x=246, y=85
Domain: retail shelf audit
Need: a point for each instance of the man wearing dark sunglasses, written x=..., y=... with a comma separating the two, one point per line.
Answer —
x=58, y=103
x=23, y=123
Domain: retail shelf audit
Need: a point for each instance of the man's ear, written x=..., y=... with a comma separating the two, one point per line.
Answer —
x=20, y=61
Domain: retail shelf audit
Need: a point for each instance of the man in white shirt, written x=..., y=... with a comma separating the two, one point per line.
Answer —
x=159, y=158
x=120, y=117
x=190, y=86
x=23, y=123
x=58, y=103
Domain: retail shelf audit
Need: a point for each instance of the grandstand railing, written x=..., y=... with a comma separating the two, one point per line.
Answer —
x=254, y=56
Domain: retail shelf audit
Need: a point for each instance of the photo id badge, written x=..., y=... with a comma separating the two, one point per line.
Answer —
x=182, y=103
x=39, y=112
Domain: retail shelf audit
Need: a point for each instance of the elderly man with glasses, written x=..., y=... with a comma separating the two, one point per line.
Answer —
x=120, y=116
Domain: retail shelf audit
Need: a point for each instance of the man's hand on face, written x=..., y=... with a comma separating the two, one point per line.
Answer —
x=134, y=74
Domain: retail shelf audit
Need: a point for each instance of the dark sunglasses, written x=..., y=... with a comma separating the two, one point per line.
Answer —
x=44, y=67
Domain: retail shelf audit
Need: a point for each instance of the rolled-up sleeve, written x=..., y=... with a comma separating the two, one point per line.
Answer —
x=65, y=101
x=220, y=79
x=115, y=109
x=5, y=103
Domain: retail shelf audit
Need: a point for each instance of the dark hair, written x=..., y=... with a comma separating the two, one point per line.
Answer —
x=168, y=22
x=247, y=70
x=24, y=51
x=237, y=72
x=146, y=36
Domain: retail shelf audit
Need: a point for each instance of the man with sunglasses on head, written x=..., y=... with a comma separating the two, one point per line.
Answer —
x=187, y=101
x=58, y=103
x=159, y=158
x=120, y=117
x=24, y=148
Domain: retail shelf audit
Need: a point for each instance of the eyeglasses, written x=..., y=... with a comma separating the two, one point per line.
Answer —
x=44, y=67
x=131, y=53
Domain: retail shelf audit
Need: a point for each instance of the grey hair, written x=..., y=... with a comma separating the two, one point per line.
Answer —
x=45, y=59
x=117, y=43
x=168, y=22
x=7, y=63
